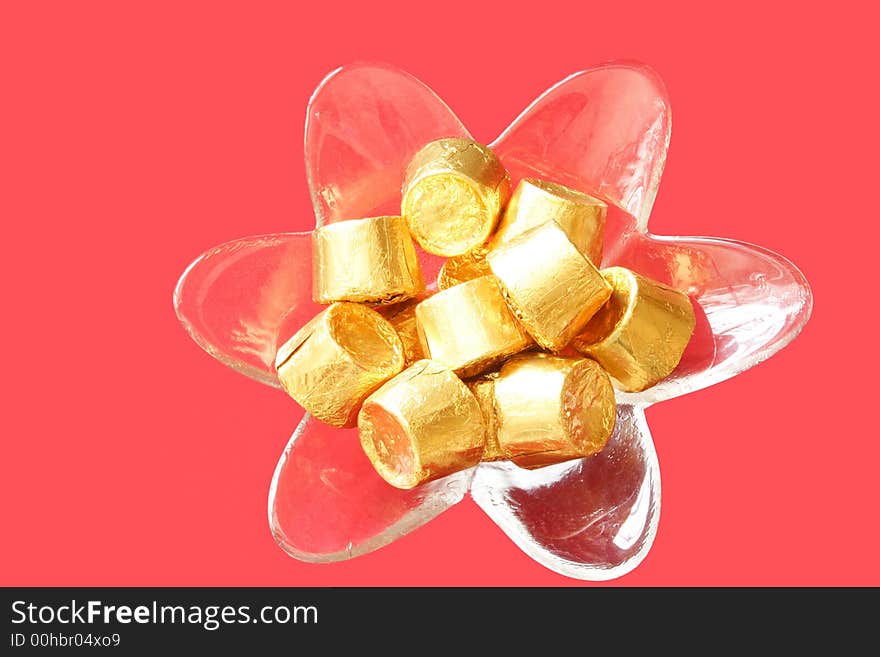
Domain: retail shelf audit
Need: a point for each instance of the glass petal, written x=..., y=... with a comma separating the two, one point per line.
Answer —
x=591, y=519
x=327, y=503
x=604, y=130
x=364, y=124
x=239, y=299
x=750, y=303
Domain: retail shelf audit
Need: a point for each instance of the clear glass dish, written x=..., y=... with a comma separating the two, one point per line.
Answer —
x=604, y=130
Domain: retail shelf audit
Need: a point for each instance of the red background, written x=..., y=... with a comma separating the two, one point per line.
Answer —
x=134, y=138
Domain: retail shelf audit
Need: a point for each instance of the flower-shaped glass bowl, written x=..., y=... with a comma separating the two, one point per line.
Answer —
x=603, y=130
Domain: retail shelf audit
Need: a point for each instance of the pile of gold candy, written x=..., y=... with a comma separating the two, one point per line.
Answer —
x=437, y=382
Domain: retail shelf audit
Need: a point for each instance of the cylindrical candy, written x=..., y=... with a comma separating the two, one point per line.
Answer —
x=469, y=327
x=535, y=202
x=462, y=268
x=453, y=194
x=337, y=359
x=369, y=260
x=484, y=392
x=551, y=409
x=640, y=335
x=402, y=316
x=551, y=286
x=421, y=425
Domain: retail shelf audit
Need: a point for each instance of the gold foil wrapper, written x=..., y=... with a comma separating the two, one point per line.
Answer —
x=484, y=392
x=337, y=359
x=461, y=269
x=469, y=327
x=535, y=202
x=640, y=335
x=369, y=260
x=421, y=425
x=551, y=409
x=453, y=194
x=402, y=316
x=551, y=286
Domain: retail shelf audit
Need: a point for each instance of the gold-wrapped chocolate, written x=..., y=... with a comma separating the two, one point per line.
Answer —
x=421, y=425
x=550, y=409
x=535, y=202
x=551, y=286
x=484, y=392
x=338, y=358
x=369, y=260
x=402, y=316
x=462, y=268
x=640, y=335
x=469, y=327
x=453, y=194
